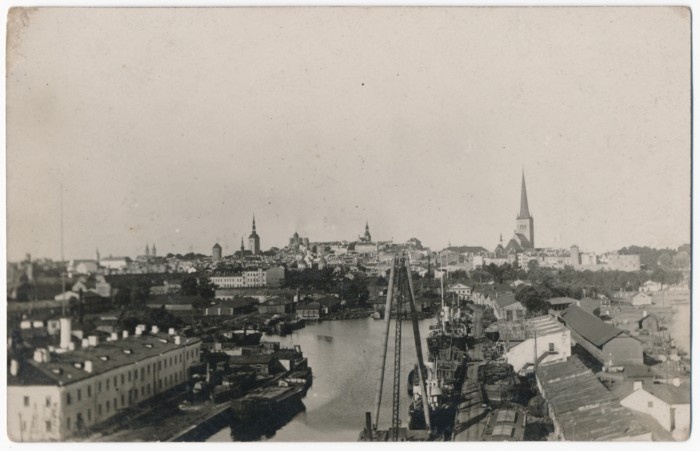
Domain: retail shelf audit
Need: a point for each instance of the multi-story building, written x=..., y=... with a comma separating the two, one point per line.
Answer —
x=62, y=393
x=246, y=279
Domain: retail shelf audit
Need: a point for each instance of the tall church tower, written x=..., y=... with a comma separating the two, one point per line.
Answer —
x=525, y=224
x=254, y=240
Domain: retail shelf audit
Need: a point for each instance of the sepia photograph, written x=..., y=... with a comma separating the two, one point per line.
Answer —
x=348, y=224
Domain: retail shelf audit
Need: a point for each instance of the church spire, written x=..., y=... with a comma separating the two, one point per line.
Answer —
x=524, y=210
x=253, y=223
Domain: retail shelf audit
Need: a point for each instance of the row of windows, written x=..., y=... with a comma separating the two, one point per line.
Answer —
x=131, y=397
x=127, y=377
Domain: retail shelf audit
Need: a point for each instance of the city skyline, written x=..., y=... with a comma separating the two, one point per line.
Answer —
x=177, y=137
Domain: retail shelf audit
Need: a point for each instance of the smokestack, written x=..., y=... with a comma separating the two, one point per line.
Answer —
x=14, y=367
x=65, y=326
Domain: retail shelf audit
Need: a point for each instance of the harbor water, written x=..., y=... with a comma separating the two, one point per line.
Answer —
x=345, y=357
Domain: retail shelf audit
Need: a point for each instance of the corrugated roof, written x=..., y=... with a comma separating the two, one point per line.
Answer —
x=582, y=406
x=588, y=326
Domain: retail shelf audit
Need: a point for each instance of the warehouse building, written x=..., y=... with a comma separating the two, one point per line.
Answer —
x=63, y=392
x=581, y=408
x=609, y=345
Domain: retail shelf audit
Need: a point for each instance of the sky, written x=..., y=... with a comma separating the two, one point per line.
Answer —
x=175, y=126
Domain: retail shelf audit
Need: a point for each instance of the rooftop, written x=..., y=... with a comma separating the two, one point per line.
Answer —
x=68, y=367
x=588, y=326
x=521, y=330
x=560, y=301
x=584, y=408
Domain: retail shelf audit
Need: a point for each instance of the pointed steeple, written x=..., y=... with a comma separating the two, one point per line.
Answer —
x=524, y=210
x=242, y=248
x=253, y=223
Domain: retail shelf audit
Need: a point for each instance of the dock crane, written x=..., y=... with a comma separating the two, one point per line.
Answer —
x=400, y=290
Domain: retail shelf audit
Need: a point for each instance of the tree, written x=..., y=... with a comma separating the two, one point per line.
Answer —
x=681, y=260
x=480, y=275
x=665, y=260
x=189, y=286
x=533, y=298
x=206, y=288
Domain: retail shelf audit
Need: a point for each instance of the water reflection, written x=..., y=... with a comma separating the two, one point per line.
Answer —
x=345, y=357
x=263, y=427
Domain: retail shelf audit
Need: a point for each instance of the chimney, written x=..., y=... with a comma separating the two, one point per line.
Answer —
x=14, y=367
x=114, y=336
x=637, y=385
x=92, y=340
x=88, y=366
x=171, y=331
x=177, y=339
x=65, y=326
x=676, y=382
x=154, y=330
x=38, y=357
x=644, y=313
x=125, y=334
x=71, y=346
x=85, y=343
x=137, y=332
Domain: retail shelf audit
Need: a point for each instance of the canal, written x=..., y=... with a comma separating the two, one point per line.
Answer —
x=345, y=358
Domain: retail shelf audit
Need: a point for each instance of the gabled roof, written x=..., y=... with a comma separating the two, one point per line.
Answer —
x=560, y=301
x=583, y=407
x=588, y=326
x=669, y=393
x=505, y=299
